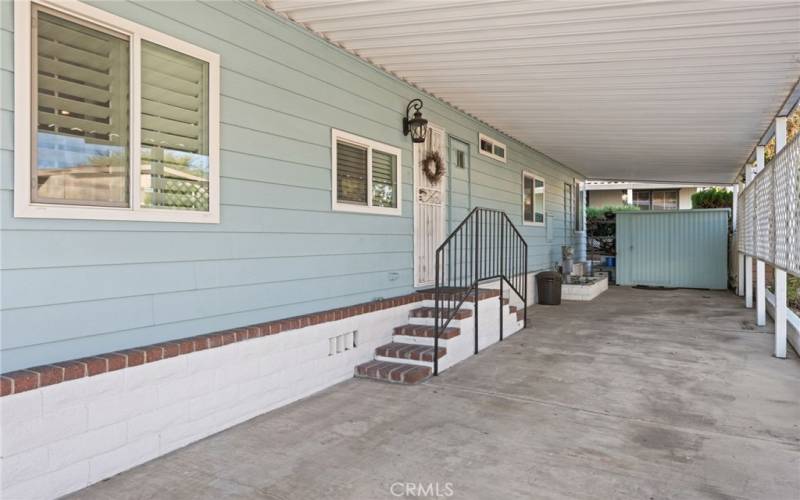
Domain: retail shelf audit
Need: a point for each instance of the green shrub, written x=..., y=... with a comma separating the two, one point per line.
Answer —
x=793, y=293
x=600, y=213
x=713, y=198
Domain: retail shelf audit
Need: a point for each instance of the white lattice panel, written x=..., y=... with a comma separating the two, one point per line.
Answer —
x=765, y=227
x=748, y=224
x=769, y=212
x=787, y=208
x=742, y=226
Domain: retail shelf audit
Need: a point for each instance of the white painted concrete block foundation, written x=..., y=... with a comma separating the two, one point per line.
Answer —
x=61, y=438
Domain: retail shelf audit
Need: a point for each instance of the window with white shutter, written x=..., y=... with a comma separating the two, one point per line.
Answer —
x=366, y=175
x=384, y=183
x=82, y=114
x=174, y=171
x=351, y=165
x=124, y=120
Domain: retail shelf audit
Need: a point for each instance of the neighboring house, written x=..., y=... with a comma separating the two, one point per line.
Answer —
x=601, y=194
x=213, y=176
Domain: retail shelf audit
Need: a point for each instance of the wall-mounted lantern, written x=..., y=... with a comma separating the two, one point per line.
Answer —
x=417, y=126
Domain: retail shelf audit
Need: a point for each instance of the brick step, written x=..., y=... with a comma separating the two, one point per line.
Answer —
x=414, y=352
x=426, y=331
x=429, y=312
x=393, y=372
x=520, y=315
x=512, y=309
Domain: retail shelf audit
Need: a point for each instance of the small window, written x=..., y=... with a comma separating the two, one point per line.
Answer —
x=123, y=122
x=533, y=208
x=461, y=159
x=492, y=148
x=366, y=175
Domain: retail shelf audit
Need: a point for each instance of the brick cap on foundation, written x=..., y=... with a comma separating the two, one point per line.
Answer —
x=40, y=376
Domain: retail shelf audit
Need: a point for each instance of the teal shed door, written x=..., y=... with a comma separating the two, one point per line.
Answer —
x=683, y=248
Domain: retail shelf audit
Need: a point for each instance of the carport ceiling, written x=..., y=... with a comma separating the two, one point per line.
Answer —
x=627, y=90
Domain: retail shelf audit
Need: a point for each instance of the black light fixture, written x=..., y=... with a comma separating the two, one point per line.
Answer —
x=417, y=126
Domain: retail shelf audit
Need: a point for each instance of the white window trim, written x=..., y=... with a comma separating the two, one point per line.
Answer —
x=23, y=205
x=493, y=142
x=339, y=135
x=535, y=177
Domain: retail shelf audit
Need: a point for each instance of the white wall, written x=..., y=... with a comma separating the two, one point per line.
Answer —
x=64, y=437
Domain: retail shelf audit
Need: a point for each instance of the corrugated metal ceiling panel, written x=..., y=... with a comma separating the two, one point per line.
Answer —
x=630, y=90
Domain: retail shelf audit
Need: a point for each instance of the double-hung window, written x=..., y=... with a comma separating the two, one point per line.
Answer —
x=533, y=210
x=366, y=175
x=113, y=120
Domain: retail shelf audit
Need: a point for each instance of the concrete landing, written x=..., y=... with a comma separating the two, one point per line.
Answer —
x=637, y=394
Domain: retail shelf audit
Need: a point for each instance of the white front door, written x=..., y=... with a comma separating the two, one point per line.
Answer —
x=429, y=209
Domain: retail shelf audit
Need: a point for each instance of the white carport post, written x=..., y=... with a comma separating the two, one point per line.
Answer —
x=780, y=275
x=761, y=268
x=748, y=260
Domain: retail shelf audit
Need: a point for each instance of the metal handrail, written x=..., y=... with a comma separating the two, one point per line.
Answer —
x=484, y=246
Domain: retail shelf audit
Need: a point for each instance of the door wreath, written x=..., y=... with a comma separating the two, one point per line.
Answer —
x=433, y=166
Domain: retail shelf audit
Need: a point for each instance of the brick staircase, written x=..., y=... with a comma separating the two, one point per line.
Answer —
x=408, y=358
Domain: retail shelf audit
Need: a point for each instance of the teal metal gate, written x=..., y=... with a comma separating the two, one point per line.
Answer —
x=682, y=248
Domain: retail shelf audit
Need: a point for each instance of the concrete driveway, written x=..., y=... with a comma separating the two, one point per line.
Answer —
x=637, y=394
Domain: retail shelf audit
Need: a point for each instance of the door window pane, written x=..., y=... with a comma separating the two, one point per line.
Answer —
x=175, y=166
x=81, y=82
x=351, y=173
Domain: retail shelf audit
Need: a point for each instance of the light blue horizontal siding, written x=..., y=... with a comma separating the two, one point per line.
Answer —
x=73, y=288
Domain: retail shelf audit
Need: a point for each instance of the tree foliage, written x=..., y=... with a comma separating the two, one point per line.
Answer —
x=593, y=213
x=713, y=198
x=792, y=129
x=601, y=228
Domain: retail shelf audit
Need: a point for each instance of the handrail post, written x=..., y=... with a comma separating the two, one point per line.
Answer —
x=436, y=292
x=525, y=284
x=502, y=272
x=476, y=278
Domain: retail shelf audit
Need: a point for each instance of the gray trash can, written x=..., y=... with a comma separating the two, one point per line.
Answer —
x=548, y=286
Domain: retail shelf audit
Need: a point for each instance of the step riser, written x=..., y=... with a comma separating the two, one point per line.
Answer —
x=454, y=323
x=465, y=305
x=406, y=361
x=426, y=341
